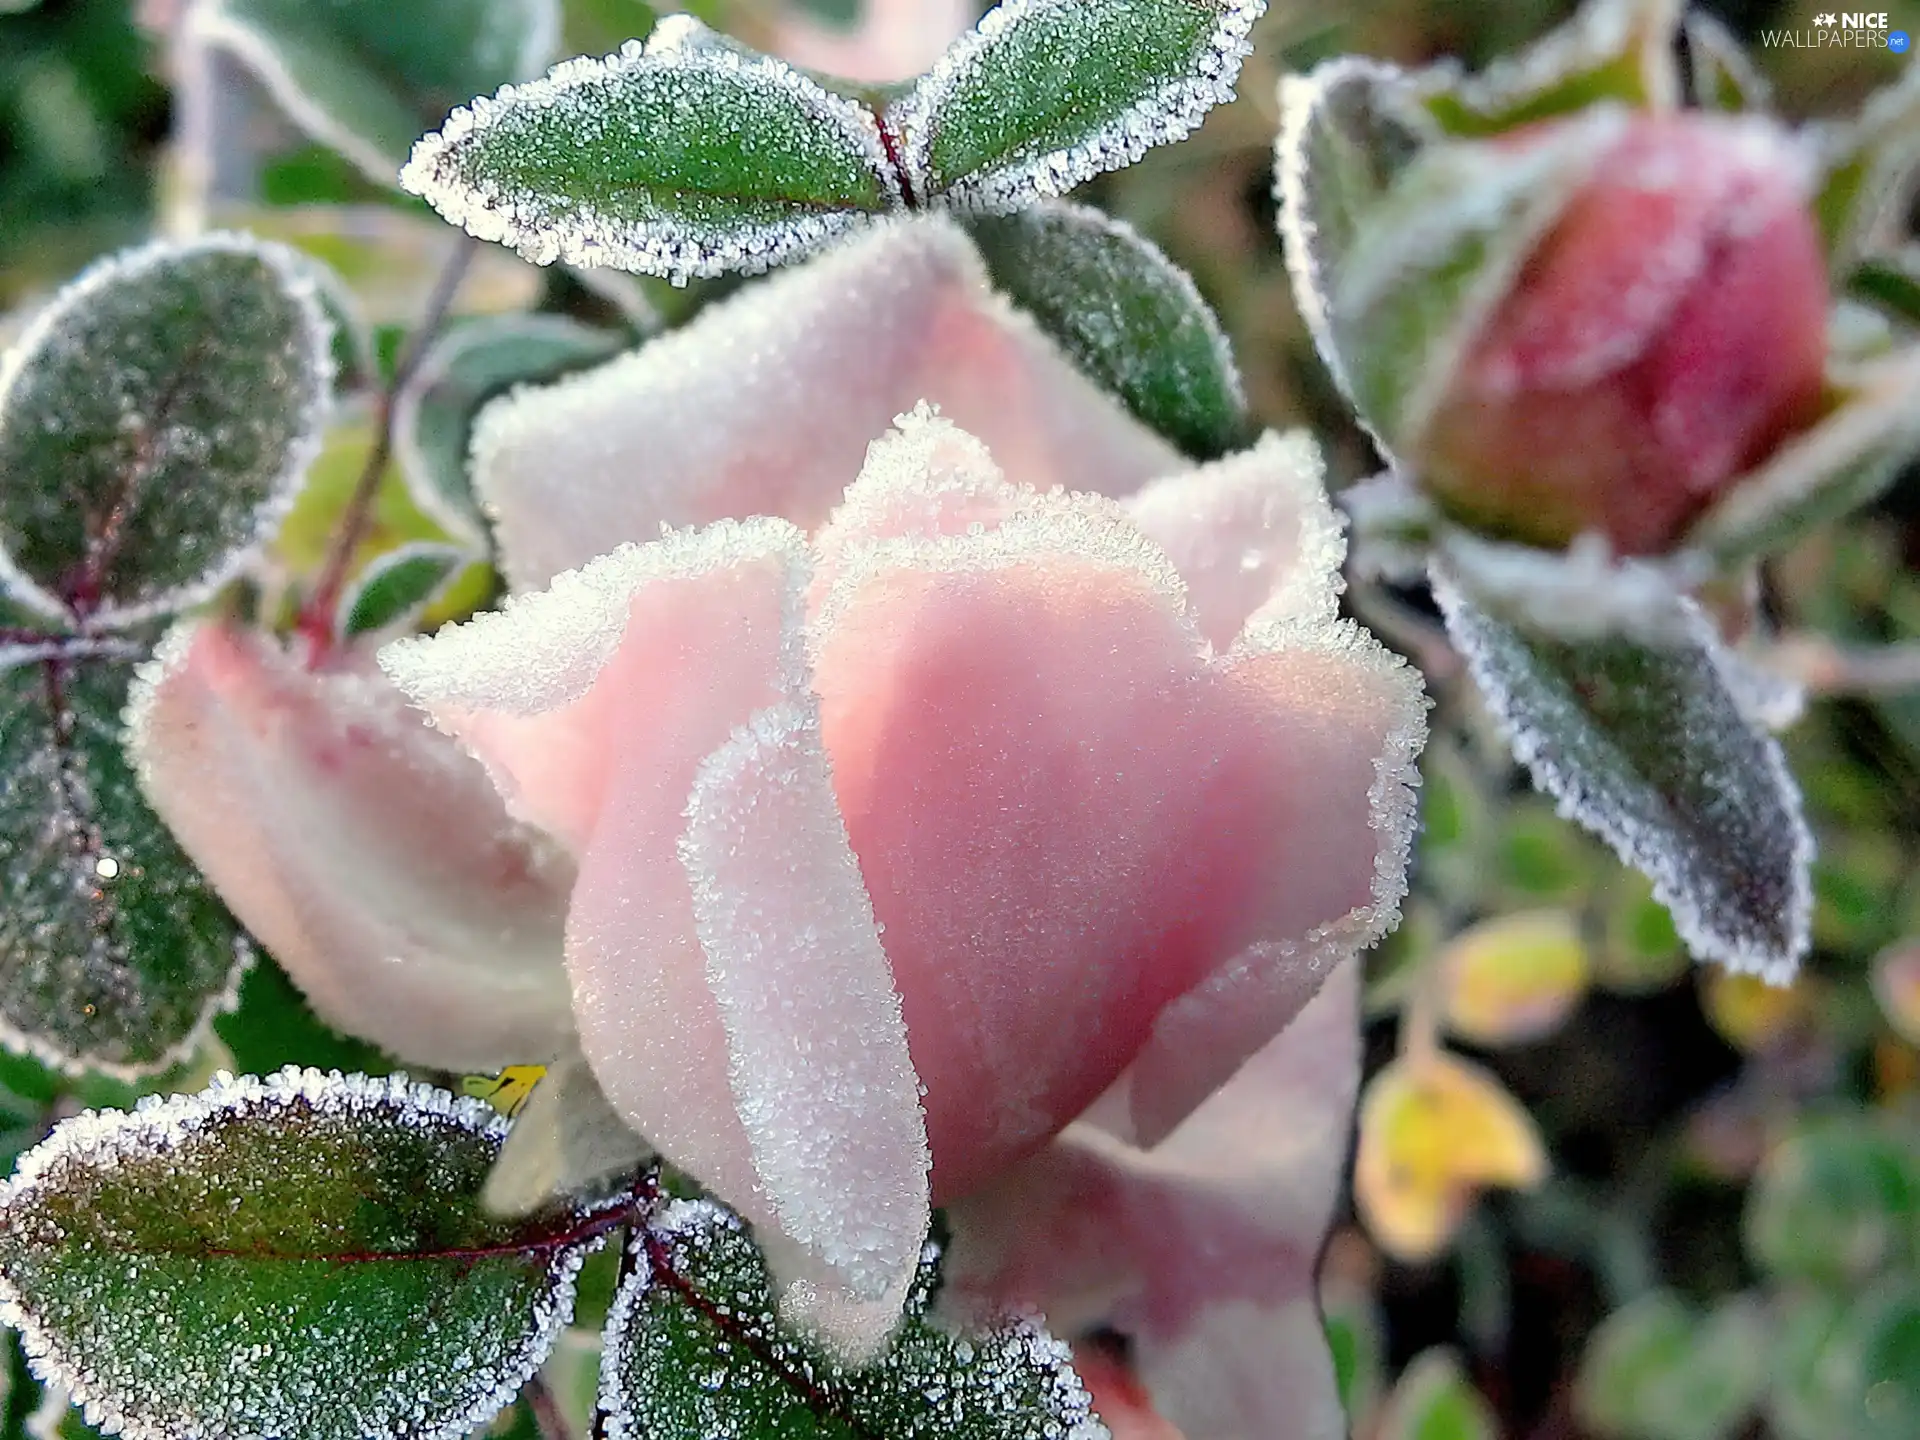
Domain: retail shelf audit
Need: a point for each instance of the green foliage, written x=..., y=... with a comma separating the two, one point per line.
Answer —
x=693, y=1350
x=1657, y=1371
x=395, y=588
x=115, y=951
x=1643, y=741
x=325, y=1229
x=154, y=420
x=1839, y=1202
x=1129, y=317
x=353, y=78
x=1434, y=1401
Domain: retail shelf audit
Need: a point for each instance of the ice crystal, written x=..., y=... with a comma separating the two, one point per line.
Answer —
x=291, y=1255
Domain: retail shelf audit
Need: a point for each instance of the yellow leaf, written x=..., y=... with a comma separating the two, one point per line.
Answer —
x=1749, y=1013
x=508, y=1090
x=1515, y=978
x=1896, y=985
x=1434, y=1131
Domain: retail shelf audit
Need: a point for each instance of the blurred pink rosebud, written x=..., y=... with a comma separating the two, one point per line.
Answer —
x=892, y=41
x=1666, y=334
x=368, y=853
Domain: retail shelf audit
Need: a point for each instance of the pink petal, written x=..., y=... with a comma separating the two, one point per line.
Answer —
x=894, y=40
x=541, y=690
x=765, y=404
x=1201, y=1251
x=817, y=1049
x=368, y=853
x=1367, y=724
x=1068, y=812
x=1254, y=531
x=594, y=705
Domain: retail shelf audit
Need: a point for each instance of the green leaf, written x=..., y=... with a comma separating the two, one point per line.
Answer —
x=1129, y=317
x=1345, y=132
x=296, y=1256
x=154, y=423
x=1839, y=1202
x=113, y=952
x=692, y=1350
x=433, y=416
x=1867, y=166
x=1610, y=50
x=1849, y=1368
x=1891, y=281
x=1434, y=1401
x=1640, y=739
x=354, y=79
x=1436, y=254
x=392, y=591
x=685, y=157
x=1656, y=1371
x=1045, y=94
x=1722, y=75
x=273, y=1025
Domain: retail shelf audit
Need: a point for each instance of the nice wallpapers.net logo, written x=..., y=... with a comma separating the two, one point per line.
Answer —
x=1852, y=29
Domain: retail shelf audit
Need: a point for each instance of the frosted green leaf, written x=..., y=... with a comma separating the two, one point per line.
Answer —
x=114, y=954
x=357, y=80
x=1438, y=252
x=1610, y=50
x=302, y=1255
x=1345, y=133
x=1639, y=738
x=692, y=1351
x=395, y=587
x=1868, y=166
x=434, y=415
x=1043, y=95
x=155, y=421
x=1722, y=76
x=1839, y=1202
x=1435, y=1401
x=1127, y=315
x=685, y=157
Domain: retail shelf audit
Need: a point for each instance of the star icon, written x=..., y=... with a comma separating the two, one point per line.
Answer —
x=1825, y=18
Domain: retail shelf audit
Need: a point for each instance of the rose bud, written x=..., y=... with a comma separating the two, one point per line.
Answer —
x=1664, y=335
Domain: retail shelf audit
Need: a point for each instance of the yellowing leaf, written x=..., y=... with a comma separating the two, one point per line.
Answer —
x=507, y=1091
x=1896, y=985
x=1515, y=978
x=1435, y=1130
x=1749, y=1013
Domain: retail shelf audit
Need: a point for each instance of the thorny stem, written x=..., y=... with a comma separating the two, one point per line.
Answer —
x=316, y=617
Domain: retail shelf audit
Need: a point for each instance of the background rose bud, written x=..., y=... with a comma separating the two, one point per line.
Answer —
x=1664, y=336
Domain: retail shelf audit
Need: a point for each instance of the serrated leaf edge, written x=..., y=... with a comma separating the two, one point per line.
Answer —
x=99, y=1138
x=664, y=248
x=214, y=23
x=1692, y=628
x=296, y=273
x=1170, y=113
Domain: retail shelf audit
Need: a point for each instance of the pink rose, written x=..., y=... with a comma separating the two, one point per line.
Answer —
x=923, y=806
x=1666, y=335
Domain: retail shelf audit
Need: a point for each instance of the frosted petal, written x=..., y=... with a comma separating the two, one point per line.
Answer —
x=566, y=1138
x=1254, y=531
x=540, y=689
x=368, y=853
x=1362, y=716
x=817, y=1046
x=1063, y=803
x=766, y=403
x=1200, y=1251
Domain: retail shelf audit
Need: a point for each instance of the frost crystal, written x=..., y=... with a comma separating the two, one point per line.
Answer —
x=1123, y=91
x=546, y=167
x=693, y=1350
x=286, y=1210
x=155, y=422
x=1646, y=743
